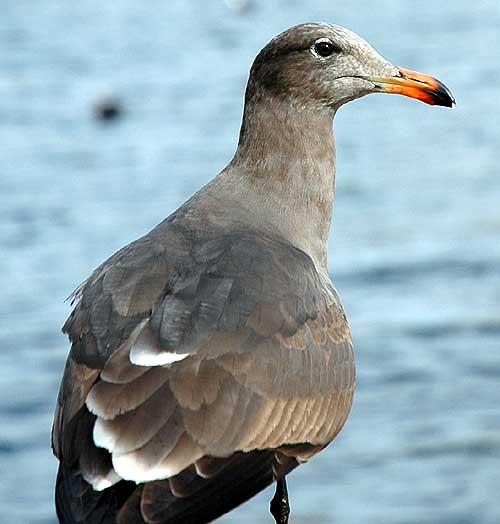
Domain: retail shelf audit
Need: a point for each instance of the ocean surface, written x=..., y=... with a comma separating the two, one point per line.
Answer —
x=414, y=250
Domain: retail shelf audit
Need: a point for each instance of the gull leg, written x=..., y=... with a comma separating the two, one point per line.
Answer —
x=279, y=506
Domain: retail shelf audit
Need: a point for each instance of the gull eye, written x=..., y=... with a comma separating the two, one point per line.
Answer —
x=324, y=48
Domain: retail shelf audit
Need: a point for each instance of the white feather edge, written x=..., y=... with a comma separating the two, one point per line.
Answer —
x=127, y=344
x=103, y=482
x=103, y=437
x=139, y=357
x=129, y=466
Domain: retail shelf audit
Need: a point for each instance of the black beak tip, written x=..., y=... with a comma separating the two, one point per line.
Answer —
x=442, y=96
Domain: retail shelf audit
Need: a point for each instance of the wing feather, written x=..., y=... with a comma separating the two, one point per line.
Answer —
x=189, y=350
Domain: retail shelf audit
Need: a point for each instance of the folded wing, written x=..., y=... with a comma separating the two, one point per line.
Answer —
x=184, y=350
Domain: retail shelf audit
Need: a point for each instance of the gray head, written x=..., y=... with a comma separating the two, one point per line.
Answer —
x=323, y=65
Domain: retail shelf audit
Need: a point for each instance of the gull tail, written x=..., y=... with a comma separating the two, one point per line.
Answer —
x=198, y=495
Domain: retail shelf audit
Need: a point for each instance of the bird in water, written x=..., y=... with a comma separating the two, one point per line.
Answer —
x=212, y=356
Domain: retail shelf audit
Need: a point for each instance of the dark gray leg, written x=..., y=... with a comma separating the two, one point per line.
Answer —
x=279, y=507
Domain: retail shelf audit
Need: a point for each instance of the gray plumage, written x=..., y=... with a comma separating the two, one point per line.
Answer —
x=213, y=355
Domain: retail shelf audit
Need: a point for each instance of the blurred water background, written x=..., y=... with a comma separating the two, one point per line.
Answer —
x=415, y=249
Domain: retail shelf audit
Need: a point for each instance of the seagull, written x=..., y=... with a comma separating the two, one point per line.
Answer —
x=212, y=356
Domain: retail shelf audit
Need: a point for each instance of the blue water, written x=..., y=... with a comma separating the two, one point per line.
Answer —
x=415, y=248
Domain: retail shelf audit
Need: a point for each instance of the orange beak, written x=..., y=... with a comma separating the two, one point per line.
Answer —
x=416, y=85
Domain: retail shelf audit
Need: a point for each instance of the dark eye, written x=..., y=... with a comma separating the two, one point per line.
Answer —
x=324, y=48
